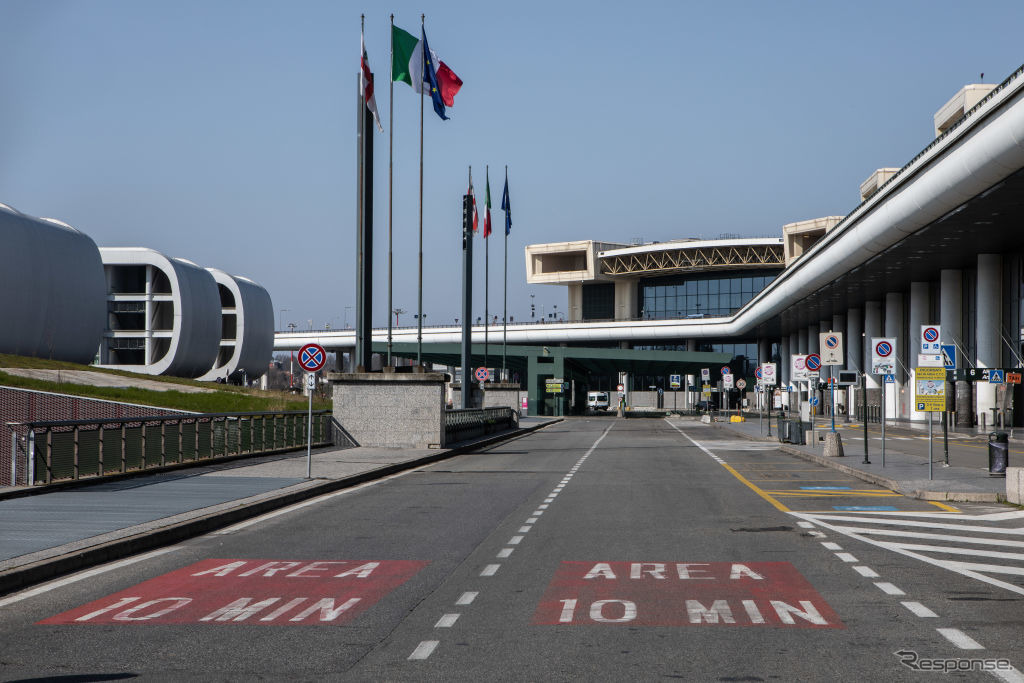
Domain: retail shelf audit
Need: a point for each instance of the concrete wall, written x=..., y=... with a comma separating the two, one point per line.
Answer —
x=1015, y=485
x=393, y=410
x=503, y=395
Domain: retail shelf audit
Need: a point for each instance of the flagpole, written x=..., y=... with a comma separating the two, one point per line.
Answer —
x=504, y=317
x=391, y=159
x=487, y=277
x=419, y=296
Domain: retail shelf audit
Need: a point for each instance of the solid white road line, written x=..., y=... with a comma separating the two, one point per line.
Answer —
x=424, y=649
x=467, y=598
x=919, y=610
x=960, y=639
x=46, y=587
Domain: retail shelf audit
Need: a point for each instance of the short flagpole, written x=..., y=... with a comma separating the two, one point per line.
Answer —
x=419, y=324
x=391, y=159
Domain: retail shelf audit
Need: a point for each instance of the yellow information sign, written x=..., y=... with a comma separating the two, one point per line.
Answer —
x=553, y=386
x=930, y=389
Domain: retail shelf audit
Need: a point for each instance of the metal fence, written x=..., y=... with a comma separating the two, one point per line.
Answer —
x=77, y=449
x=469, y=423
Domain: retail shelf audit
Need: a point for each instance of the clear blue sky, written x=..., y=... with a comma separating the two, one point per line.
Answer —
x=224, y=132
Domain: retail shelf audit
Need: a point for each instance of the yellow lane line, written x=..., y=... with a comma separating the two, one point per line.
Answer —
x=753, y=487
x=943, y=506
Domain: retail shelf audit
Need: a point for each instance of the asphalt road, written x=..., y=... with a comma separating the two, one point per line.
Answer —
x=595, y=549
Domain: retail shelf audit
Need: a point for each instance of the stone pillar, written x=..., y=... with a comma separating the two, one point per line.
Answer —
x=919, y=307
x=840, y=324
x=988, y=329
x=391, y=410
x=894, y=405
x=783, y=370
x=872, y=329
x=951, y=294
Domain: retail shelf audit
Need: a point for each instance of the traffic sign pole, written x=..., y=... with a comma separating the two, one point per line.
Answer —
x=309, y=439
x=883, y=422
x=312, y=358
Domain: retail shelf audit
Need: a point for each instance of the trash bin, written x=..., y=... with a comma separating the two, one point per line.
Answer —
x=782, y=429
x=998, y=453
x=796, y=433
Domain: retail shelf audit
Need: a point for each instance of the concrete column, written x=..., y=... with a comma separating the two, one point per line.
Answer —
x=782, y=371
x=853, y=340
x=801, y=341
x=764, y=350
x=895, y=407
x=764, y=347
x=988, y=329
x=951, y=294
x=872, y=328
x=918, y=315
x=951, y=308
x=575, y=301
x=625, y=299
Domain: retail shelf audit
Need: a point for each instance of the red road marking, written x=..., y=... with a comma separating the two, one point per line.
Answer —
x=683, y=594
x=264, y=592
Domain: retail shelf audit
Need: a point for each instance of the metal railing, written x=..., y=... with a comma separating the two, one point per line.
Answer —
x=68, y=450
x=463, y=424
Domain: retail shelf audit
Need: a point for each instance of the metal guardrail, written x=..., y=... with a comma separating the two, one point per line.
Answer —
x=68, y=450
x=462, y=424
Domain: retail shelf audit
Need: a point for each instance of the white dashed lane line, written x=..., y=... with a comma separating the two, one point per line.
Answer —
x=447, y=620
x=960, y=639
x=467, y=598
x=918, y=609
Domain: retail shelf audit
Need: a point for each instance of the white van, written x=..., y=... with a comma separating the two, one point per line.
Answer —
x=597, y=401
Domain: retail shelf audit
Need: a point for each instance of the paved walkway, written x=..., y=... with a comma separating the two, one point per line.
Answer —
x=66, y=529
x=905, y=467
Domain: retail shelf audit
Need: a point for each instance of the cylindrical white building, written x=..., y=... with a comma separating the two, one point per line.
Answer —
x=247, y=328
x=164, y=314
x=53, y=293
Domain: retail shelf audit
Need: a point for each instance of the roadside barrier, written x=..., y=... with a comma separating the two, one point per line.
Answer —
x=68, y=450
x=462, y=424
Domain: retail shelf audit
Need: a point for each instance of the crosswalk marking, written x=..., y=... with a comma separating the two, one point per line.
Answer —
x=979, y=546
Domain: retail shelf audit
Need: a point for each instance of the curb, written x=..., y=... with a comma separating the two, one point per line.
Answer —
x=891, y=484
x=37, y=572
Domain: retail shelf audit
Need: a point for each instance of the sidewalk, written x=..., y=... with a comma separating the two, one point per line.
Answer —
x=965, y=480
x=66, y=529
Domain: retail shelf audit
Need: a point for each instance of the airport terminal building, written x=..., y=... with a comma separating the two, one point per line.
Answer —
x=936, y=243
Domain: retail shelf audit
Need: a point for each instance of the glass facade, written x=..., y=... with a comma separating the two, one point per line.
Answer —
x=599, y=301
x=699, y=296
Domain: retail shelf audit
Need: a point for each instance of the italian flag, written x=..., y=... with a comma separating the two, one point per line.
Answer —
x=407, y=60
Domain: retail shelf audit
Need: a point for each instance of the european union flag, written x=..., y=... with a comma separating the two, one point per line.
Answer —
x=506, y=206
x=430, y=75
